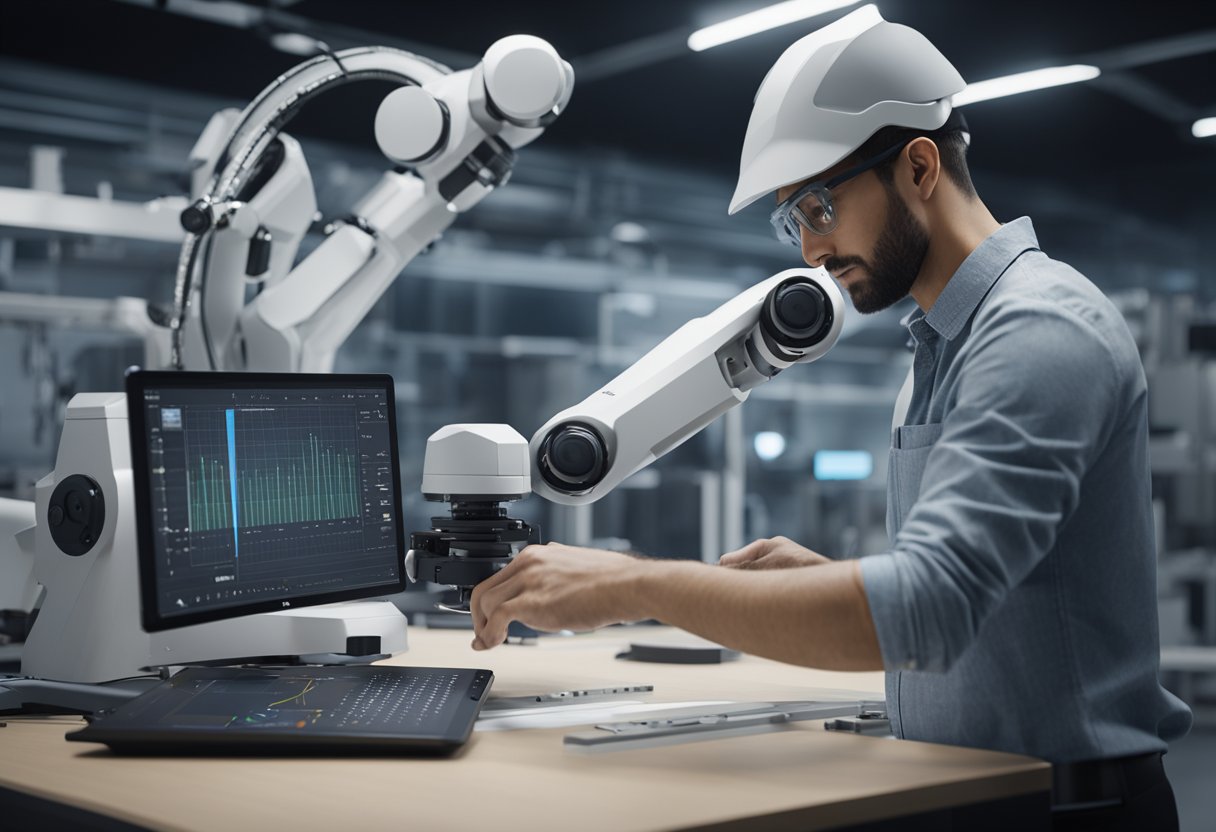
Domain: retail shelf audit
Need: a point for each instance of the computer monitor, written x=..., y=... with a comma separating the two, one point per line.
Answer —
x=263, y=491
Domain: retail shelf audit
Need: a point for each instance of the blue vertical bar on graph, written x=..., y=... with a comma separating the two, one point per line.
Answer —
x=231, y=416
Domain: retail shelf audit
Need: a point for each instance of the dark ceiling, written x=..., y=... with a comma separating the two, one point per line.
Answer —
x=691, y=109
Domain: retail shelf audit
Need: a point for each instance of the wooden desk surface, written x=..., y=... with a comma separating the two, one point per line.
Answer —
x=803, y=777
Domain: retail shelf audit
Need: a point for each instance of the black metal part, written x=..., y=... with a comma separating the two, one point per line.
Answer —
x=15, y=627
x=573, y=457
x=796, y=314
x=1201, y=338
x=489, y=164
x=196, y=217
x=462, y=550
x=363, y=645
x=258, y=260
x=76, y=514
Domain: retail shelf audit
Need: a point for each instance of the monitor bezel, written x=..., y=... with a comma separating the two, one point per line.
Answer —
x=136, y=385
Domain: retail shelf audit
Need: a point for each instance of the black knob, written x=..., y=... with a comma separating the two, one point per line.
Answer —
x=573, y=454
x=573, y=458
x=77, y=506
x=55, y=515
x=796, y=315
x=196, y=218
x=799, y=307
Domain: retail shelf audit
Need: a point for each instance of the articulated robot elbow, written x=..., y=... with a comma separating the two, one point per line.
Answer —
x=703, y=369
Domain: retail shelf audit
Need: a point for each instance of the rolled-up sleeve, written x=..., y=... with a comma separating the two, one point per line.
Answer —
x=1034, y=403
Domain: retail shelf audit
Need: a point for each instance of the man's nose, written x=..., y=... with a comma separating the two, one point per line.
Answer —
x=816, y=248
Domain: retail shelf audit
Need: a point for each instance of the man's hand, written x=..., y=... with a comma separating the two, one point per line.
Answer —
x=772, y=553
x=556, y=587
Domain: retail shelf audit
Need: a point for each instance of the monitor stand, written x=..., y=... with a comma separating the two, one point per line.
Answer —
x=88, y=627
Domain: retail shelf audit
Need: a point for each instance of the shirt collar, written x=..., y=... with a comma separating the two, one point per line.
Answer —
x=968, y=286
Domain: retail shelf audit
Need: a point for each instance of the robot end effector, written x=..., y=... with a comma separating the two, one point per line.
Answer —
x=699, y=372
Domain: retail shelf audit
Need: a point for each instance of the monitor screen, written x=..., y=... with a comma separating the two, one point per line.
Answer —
x=258, y=492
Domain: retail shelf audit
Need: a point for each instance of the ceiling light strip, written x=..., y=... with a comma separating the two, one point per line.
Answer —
x=1037, y=79
x=761, y=20
x=1204, y=127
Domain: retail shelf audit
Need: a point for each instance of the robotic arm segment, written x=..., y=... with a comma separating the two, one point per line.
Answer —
x=525, y=83
x=253, y=135
x=702, y=370
x=251, y=241
x=456, y=132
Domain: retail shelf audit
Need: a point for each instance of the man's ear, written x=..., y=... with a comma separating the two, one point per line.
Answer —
x=925, y=162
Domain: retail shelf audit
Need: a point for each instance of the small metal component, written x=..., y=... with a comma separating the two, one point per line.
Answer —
x=196, y=218
x=258, y=260
x=871, y=720
x=489, y=165
x=462, y=550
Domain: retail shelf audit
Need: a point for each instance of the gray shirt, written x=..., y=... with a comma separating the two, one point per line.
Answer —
x=1016, y=608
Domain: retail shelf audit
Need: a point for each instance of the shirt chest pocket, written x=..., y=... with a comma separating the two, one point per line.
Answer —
x=910, y=448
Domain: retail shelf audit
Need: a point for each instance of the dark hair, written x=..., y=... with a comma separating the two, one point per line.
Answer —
x=951, y=146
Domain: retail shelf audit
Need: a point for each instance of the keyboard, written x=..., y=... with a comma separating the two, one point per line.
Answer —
x=392, y=702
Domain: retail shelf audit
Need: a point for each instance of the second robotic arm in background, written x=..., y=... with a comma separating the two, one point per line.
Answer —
x=453, y=136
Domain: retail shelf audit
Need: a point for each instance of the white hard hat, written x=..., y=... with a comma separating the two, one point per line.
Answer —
x=831, y=91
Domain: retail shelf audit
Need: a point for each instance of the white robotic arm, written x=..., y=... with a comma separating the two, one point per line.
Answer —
x=453, y=134
x=702, y=370
x=694, y=376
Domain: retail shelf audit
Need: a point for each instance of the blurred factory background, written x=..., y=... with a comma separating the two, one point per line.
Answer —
x=611, y=233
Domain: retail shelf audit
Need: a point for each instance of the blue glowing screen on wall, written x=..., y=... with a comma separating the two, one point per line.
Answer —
x=843, y=465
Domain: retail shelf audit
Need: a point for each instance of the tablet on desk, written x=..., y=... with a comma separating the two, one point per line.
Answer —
x=290, y=710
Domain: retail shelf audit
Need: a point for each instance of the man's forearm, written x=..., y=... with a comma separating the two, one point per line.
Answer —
x=816, y=616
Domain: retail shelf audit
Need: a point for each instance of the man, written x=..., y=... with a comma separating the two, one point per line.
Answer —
x=1016, y=606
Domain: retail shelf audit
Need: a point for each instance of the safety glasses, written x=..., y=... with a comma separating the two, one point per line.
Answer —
x=810, y=207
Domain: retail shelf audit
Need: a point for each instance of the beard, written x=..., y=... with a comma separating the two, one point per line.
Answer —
x=898, y=256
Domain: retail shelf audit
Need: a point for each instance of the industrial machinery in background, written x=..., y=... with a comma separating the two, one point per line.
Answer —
x=1177, y=339
x=241, y=302
x=1180, y=361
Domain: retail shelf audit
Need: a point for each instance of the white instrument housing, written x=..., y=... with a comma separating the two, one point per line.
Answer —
x=472, y=460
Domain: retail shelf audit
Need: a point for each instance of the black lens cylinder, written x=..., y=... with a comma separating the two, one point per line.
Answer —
x=573, y=458
x=796, y=314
